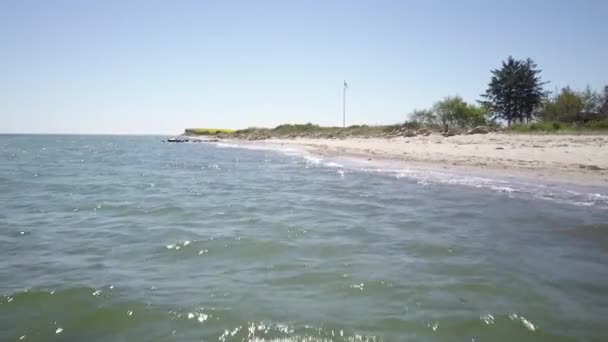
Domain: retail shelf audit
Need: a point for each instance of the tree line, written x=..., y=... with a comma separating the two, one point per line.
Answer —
x=516, y=95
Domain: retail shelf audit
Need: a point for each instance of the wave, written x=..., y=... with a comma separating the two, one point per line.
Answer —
x=80, y=313
x=562, y=194
x=260, y=147
x=85, y=313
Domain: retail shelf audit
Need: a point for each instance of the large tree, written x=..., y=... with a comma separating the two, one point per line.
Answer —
x=515, y=91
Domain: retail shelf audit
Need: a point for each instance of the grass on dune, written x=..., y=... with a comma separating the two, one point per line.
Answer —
x=600, y=126
x=208, y=131
x=306, y=130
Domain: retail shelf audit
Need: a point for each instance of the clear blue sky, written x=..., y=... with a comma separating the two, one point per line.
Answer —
x=160, y=66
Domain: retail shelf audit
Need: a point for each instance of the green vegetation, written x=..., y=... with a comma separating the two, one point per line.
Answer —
x=541, y=127
x=306, y=130
x=515, y=91
x=455, y=112
x=451, y=112
x=560, y=127
x=207, y=131
x=576, y=107
x=315, y=131
x=515, y=97
x=570, y=111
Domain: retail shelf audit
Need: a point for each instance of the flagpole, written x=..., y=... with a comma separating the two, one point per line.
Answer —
x=344, y=105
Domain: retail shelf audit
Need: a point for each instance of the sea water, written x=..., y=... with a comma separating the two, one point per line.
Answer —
x=126, y=238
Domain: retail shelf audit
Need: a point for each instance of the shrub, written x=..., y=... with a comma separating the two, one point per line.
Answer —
x=598, y=124
x=539, y=127
x=411, y=125
x=390, y=128
x=295, y=129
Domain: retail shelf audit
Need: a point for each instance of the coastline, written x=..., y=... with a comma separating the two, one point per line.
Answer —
x=572, y=159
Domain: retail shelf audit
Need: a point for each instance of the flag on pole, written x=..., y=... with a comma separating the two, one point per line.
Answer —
x=345, y=85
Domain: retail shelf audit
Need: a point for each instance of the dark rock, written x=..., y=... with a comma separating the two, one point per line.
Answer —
x=594, y=168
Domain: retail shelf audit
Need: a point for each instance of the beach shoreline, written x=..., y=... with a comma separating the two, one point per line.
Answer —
x=572, y=159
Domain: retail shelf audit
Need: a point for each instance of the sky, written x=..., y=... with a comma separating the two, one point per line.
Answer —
x=128, y=66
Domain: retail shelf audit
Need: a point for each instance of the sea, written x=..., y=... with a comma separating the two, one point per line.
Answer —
x=128, y=238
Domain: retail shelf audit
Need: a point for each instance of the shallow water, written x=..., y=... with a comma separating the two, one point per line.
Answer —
x=126, y=238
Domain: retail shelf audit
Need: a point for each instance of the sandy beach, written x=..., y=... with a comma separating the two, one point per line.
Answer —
x=577, y=159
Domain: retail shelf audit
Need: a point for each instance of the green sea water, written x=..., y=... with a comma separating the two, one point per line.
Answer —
x=121, y=238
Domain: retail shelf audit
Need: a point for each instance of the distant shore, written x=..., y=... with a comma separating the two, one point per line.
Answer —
x=576, y=159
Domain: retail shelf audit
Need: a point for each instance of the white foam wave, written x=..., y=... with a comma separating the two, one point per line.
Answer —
x=560, y=194
x=310, y=159
x=333, y=164
x=563, y=194
x=505, y=189
x=526, y=323
x=261, y=147
x=246, y=147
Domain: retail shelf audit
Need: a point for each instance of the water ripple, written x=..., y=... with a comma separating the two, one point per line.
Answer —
x=207, y=243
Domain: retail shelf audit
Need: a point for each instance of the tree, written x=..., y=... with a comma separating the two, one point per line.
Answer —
x=454, y=111
x=592, y=100
x=515, y=91
x=424, y=116
x=567, y=106
x=450, y=110
x=477, y=115
x=579, y=107
x=604, y=106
